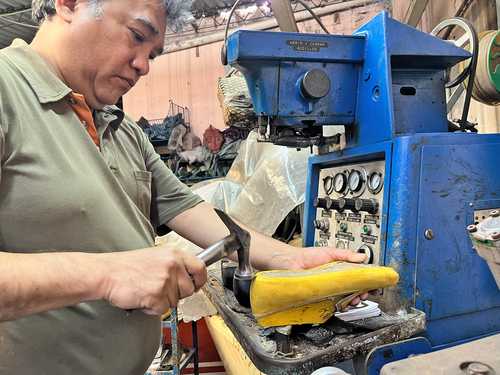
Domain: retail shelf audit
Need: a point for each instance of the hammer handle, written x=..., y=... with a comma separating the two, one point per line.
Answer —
x=218, y=250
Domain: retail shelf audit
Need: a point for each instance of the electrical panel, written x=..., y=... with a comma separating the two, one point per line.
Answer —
x=349, y=203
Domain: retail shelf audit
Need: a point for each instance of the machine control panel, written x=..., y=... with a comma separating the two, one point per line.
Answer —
x=348, y=206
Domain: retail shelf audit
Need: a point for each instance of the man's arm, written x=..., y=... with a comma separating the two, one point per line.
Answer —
x=151, y=279
x=202, y=226
x=32, y=283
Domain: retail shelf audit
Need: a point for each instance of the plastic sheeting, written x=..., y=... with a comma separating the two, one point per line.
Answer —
x=263, y=185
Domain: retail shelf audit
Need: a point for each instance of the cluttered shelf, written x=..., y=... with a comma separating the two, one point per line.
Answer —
x=193, y=159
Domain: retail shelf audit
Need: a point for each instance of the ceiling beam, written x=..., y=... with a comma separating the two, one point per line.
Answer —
x=267, y=24
x=415, y=11
x=282, y=10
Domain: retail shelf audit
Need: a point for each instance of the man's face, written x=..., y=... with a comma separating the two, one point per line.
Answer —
x=109, y=53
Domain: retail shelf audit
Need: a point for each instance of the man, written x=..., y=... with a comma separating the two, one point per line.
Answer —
x=76, y=242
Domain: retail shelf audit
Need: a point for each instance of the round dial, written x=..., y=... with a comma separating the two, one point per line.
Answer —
x=375, y=182
x=328, y=184
x=355, y=181
x=339, y=183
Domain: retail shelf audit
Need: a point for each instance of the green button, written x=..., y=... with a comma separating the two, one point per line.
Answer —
x=367, y=229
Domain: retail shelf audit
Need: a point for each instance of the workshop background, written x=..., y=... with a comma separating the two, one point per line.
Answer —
x=183, y=88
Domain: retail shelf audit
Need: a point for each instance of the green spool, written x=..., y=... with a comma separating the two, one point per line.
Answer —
x=494, y=61
x=486, y=87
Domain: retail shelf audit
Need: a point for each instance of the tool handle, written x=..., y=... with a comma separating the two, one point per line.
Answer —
x=217, y=251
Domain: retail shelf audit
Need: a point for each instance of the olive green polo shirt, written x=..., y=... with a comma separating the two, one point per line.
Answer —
x=59, y=192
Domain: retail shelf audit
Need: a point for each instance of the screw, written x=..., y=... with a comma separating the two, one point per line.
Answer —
x=495, y=235
x=495, y=213
x=472, y=228
x=429, y=234
x=477, y=368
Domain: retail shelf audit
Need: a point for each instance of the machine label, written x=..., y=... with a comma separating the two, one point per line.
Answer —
x=306, y=45
x=345, y=236
x=369, y=239
x=371, y=219
x=340, y=217
x=356, y=218
x=324, y=236
x=326, y=213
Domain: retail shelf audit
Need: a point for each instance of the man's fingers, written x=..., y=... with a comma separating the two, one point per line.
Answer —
x=185, y=284
x=197, y=271
x=355, y=301
x=347, y=255
x=171, y=289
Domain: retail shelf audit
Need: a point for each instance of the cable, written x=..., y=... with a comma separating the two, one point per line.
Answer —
x=13, y=13
x=233, y=9
x=459, y=13
x=3, y=18
x=470, y=71
x=318, y=20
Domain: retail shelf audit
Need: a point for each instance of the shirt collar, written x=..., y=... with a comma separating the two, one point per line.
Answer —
x=47, y=86
x=110, y=115
x=45, y=83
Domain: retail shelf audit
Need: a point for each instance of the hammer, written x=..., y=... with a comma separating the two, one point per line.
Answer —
x=239, y=241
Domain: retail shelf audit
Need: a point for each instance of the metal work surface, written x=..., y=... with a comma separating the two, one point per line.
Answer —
x=480, y=357
x=308, y=347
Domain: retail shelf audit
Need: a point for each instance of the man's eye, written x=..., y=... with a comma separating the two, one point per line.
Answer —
x=137, y=36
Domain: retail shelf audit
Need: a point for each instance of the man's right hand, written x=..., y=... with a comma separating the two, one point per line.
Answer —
x=151, y=280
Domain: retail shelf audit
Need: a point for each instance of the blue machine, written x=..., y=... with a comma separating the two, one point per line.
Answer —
x=403, y=189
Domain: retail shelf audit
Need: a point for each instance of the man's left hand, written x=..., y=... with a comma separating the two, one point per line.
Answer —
x=316, y=256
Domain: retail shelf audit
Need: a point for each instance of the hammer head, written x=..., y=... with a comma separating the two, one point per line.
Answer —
x=241, y=236
x=243, y=276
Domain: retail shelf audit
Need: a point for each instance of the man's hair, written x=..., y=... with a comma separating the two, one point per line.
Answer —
x=178, y=11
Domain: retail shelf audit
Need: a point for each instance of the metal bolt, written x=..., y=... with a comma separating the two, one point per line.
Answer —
x=429, y=234
x=477, y=368
x=495, y=213
x=495, y=235
x=472, y=228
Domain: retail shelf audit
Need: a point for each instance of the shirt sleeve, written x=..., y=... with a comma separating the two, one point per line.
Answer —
x=170, y=197
x=2, y=139
x=2, y=147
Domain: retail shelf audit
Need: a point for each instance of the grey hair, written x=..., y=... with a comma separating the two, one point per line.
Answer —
x=178, y=11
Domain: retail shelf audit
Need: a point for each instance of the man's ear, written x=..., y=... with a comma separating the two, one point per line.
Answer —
x=66, y=9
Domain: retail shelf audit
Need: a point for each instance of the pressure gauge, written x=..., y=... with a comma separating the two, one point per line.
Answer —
x=375, y=182
x=339, y=183
x=355, y=181
x=328, y=184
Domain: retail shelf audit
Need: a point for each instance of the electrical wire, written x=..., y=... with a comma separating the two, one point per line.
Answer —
x=13, y=13
x=470, y=71
x=233, y=9
x=318, y=20
x=3, y=18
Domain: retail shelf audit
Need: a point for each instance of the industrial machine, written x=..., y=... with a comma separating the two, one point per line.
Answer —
x=397, y=184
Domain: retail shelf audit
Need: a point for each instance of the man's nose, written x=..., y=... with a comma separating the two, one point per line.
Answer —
x=141, y=64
